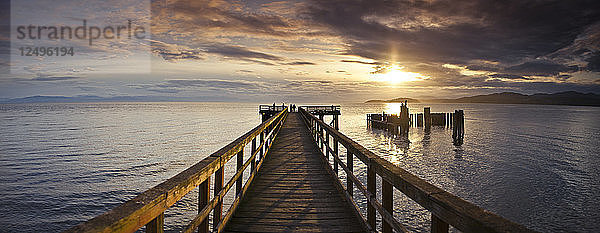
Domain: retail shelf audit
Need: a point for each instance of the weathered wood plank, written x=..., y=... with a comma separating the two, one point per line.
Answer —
x=292, y=192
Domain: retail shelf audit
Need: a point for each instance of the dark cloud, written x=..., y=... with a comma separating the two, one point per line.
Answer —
x=483, y=67
x=362, y=62
x=173, y=52
x=300, y=63
x=317, y=81
x=224, y=84
x=232, y=51
x=225, y=16
x=180, y=55
x=540, y=68
x=563, y=77
x=594, y=62
x=508, y=76
x=456, y=32
x=53, y=78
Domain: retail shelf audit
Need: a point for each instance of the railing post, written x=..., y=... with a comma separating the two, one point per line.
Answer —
x=350, y=165
x=372, y=189
x=387, y=197
x=218, y=211
x=336, y=154
x=268, y=136
x=156, y=225
x=253, y=163
x=203, y=199
x=336, y=123
x=438, y=225
x=327, y=145
x=321, y=135
x=314, y=128
x=317, y=134
x=262, y=146
x=240, y=164
x=322, y=118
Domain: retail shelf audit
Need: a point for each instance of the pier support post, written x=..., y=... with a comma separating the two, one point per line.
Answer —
x=240, y=164
x=203, y=199
x=262, y=147
x=336, y=154
x=156, y=225
x=253, y=151
x=350, y=164
x=438, y=225
x=218, y=210
x=327, y=145
x=321, y=136
x=372, y=189
x=336, y=123
x=387, y=197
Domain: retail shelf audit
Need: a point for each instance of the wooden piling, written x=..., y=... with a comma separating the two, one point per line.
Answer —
x=427, y=117
x=404, y=119
x=458, y=128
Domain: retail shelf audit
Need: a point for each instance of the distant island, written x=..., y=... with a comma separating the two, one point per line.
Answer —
x=396, y=100
x=560, y=98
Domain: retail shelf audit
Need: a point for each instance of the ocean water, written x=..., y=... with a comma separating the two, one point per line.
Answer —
x=61, y=164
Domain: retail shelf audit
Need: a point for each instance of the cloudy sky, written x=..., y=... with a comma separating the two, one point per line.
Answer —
x=321, y=50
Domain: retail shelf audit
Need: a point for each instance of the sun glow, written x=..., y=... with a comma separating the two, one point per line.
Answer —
x=395, y=75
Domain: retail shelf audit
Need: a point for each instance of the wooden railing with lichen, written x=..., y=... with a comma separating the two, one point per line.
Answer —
x=446, y=209
x=147, y=209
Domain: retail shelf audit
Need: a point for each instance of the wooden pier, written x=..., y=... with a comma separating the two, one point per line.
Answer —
x=293, y=191
x=399, y=124
x=293, y=187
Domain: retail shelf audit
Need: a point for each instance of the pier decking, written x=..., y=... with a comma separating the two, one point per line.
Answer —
x=293, y=191
x=294, y=185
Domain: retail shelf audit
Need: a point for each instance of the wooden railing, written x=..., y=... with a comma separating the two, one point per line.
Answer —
x=147, y=209
x=446, y=208
x=321, y=108
x=275, y=108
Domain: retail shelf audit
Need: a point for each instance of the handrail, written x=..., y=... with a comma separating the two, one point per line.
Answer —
x=311, y=108
x=275, y=108
x=147, y=209
x=446, y=208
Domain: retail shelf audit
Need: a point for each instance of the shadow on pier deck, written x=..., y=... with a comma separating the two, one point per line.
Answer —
x=293, y=191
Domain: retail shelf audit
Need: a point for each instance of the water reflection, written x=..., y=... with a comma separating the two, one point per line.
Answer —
x=393, y=108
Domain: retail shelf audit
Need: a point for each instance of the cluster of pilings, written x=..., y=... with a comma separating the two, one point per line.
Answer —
x=399, y=124
x=428, y=118
x=458, y=128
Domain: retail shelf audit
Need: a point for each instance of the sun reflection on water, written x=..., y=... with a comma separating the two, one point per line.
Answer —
x=392, y=108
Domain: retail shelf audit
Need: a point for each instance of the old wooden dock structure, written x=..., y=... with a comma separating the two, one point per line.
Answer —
x=294, y=186
x=399, y=124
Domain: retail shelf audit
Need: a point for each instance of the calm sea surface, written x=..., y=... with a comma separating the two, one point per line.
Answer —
x=61, y=164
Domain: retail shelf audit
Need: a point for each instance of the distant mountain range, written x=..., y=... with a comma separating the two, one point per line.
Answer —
x=91, y=98
x=561, y=98
x=396, y=100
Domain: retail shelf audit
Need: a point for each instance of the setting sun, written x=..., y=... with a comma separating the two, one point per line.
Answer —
x=395, y=75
